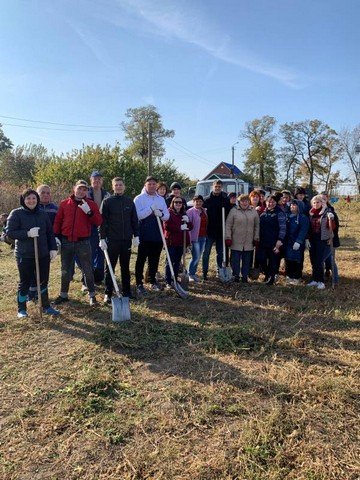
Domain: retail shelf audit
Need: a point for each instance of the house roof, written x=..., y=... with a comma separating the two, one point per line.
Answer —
x=224, y=165
x=237, y=171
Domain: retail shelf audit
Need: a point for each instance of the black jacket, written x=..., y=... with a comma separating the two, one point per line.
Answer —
x=19, y=223
x=120, y=220
x=213, y=204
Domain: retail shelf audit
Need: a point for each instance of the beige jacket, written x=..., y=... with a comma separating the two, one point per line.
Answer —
x=242, y=227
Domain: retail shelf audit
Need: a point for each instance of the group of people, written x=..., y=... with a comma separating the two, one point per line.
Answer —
x=258, y=232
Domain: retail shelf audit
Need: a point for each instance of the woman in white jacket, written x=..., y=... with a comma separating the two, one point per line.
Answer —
x=241, y=235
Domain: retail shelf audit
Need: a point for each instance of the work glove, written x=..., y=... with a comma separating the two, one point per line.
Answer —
x=53, y=254
x=296, y=246
x=158, y=212
x=33, y=232
x=136, y=242
x=307, y=244
x=184, y=227
x=85, y=207
x=228, y=242
x=330, y=216
x=58, y=242
x=185, y=218
x=103, y=244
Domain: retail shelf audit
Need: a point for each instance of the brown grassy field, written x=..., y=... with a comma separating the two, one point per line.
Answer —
x=237, y=382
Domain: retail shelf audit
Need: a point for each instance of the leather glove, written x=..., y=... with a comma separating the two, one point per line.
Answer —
x=103, y=244
x=85, y=207
x=307, y=244
x=228, y=242
x=33, y=232
x=53, y=254
x=185, y=218
x=330, y=216
x=184, y=227
x=296, y=246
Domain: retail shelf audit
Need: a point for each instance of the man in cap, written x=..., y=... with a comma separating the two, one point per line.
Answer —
x=149, y=205
x=72, y=226
x=175, y=191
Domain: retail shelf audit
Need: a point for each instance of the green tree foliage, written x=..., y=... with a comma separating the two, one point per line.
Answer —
x=260, y=163
x=110, y=161
x=18, y=165
x=136, y=130
x=5, y=142
x=305, y=144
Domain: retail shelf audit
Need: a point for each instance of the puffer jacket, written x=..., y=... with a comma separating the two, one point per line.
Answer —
x=72, y=223
x=297, y=228
x=242, y=227
x=19, y=223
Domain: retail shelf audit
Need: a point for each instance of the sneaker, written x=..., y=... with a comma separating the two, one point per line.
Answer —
x=92, y=301
x=194, y=278
x=155, y=287
x=141, y=290
x=51, y=311
x=107, y=298
x=22, y=314
x=59, y=300
x=320, y=286
x=312, y=284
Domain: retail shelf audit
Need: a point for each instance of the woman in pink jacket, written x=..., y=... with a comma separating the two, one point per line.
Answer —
x=197, y=215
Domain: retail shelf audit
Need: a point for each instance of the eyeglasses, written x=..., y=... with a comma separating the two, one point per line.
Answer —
x=178, y=203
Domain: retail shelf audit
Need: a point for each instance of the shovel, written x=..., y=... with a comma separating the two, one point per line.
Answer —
x=120, y=304
x=184, y=277
x=37, y=269
x=225, y=273
x=180, y=291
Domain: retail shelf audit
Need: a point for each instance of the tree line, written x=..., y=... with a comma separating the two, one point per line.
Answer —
x=298, y=153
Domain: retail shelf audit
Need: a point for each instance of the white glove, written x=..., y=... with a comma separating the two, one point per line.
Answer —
x=58, y=242
x=184, y=227
x=85, y=207
x=33, y=232
x=53, y=254
x=158, y=212
x=296, y=246
x=307, y=244
x=103, y=244
x=330, y=216
x=185, y=218
x=136, y=242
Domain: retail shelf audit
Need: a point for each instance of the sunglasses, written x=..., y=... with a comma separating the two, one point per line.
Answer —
x=180, y=203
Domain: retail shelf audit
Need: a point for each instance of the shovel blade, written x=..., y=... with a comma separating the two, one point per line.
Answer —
x=184, y=277
x=120, y=309
x=179, y=290
x=225, y=274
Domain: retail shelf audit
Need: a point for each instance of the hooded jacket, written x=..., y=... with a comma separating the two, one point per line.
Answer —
x=20, y=221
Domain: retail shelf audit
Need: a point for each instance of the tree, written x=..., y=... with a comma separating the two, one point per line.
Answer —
x=305, y=143
x=325, y=175
x=260, y=164
x=136, y=132
x=5, y=142
x=18, y=165
x=350, y=139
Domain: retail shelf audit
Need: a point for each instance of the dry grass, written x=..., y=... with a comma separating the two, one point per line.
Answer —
x=235, y=383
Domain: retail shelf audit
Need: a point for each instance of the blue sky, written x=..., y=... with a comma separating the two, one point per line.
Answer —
x=208, y=67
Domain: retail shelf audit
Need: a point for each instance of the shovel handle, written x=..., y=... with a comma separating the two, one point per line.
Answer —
x=106, y=253
x=223, y=234
x=37, y=270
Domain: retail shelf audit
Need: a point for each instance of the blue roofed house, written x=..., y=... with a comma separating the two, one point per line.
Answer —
x=224, y=170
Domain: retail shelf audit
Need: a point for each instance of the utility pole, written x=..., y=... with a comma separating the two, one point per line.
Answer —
x=150, y=146
x=232, y=159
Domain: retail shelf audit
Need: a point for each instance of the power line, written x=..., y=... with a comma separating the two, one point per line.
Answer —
x=61, y=124
x=59, y=129
x=191, y=154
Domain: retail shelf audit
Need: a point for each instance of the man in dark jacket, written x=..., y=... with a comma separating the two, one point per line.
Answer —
x=73, y=223
x=214, y=203
x=120, y=225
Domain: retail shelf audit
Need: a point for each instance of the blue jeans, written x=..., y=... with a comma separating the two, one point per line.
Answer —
x=245, y=256
x=206, y=255
x=197, y=249
x=319, y=252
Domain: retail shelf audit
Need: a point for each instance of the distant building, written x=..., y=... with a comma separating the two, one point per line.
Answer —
x=224, y=170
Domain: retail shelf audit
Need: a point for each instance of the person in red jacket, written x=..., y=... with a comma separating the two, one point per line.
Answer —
x=174, y=234
x=72, y=227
